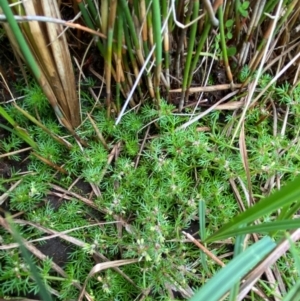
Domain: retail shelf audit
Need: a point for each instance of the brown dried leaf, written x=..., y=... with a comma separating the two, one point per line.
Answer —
x=244, y=156
x=103, y=266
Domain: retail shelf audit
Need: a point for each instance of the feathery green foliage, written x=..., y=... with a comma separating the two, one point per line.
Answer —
x=147, y=175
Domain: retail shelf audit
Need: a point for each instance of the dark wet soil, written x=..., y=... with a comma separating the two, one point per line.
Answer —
x=56, y=249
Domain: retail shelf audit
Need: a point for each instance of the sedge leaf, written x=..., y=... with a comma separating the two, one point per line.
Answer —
x=287, y=195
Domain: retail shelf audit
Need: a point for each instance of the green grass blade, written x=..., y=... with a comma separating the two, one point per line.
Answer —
x=238, y=249
x=164, y=12
x=264, y=228
x=202, y=227
x=93, y=11
x=294, y=293
x=22, y=133
x=227, y=277
x=223, y=44
x=20, y=39
x=130, y=24
x=85, y=15
x=191, y=44
x=90, y=24
x=156, y=15
x=287, y=195
x=289, y=211
x=120, y=34
x=108, y=53
x=44, y=293
x=6, y=116
x=39, y=124
x=202, y=209
x=201, y=43
x=295, y=254
x=156, y=31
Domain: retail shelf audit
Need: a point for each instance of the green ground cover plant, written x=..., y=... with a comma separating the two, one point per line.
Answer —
x=152, y=187
x=149, y=150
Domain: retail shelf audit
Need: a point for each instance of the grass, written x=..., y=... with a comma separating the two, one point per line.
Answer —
x=151, y=177
x=163, y=187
